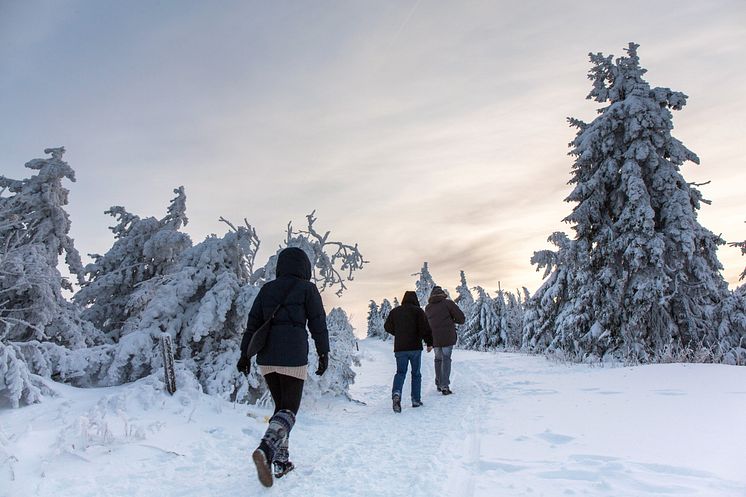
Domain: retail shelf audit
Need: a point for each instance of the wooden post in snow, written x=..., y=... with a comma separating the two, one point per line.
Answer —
x=168, y=363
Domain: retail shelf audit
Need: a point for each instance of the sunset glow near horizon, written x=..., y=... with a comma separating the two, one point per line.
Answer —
x=424, y=131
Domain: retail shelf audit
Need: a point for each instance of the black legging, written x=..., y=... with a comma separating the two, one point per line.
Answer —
x=286, y=391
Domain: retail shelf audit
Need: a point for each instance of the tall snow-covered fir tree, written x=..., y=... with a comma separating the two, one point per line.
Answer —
x=464, y=297
x=479, y=332
x=510, y=309
x=375, y=323
x=465, y=300
x=424, y=285
x=384, y=311
x=515, y=309
x=34, y=233
x=641, y=274
x=42, y=333
x=143, y=249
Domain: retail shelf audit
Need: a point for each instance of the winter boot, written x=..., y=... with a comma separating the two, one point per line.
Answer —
x=261, y=460
x=281, y=464
x=397, y=402
x=281, y=468
x=416, y=403
x=446, y=391
x=272, y=444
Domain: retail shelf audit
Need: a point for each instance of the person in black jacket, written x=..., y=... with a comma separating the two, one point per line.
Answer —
x=443, y=315
x=283, y=361
x=410, y=328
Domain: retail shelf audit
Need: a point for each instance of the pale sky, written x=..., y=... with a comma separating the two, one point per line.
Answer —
x=423, y=130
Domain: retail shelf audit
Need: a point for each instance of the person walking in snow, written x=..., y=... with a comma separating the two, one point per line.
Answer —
x=443, y=315
x=281, y=309
x=409, y=326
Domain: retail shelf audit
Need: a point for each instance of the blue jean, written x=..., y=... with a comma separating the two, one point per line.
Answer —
x=403, y=359
x=443, y=366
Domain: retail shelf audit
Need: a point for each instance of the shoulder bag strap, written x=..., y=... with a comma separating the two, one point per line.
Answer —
x=284, y=301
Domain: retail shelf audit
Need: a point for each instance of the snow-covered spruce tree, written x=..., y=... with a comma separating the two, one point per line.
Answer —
x=339, y=376
x=203, y=303
x=375, y=323
x=464, y=297
x=143, y=249
x=384, y=310
x=515, y=309
x=41, y=332
x=732, y=329
x=479, y=330
x=465, y=300
x=396, y=302
x=34, y=233
x=641, y=275
x=501, y=303
x=510, y=311
x=731, y=347
x=424, y=285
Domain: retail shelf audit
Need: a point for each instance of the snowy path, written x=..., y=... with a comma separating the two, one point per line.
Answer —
x=516, y=426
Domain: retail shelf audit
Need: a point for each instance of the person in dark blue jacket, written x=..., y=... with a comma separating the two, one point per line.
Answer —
x=283, y=361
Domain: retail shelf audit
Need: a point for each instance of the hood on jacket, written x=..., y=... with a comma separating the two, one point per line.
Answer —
x=293, y=261
x=437, y=295
x=410, y=298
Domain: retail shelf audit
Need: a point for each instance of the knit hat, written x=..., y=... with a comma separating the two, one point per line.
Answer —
x=437, y=291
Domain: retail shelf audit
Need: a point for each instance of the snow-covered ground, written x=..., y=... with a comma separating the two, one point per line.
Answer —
x=517, y=425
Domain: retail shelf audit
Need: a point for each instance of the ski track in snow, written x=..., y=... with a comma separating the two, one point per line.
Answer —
x=515, y=426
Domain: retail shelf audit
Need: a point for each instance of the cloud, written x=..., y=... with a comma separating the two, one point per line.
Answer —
x=432, y=131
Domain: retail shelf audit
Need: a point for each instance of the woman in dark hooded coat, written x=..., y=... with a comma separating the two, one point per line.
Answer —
x=283, y=361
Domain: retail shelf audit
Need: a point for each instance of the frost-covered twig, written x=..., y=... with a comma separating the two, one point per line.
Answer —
x=332, y=257
x=250, y=242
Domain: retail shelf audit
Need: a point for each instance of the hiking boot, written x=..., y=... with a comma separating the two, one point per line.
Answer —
x=281, y=468
x=261, y=461
x=397, y=403
x=416, y=403
x=446, y=391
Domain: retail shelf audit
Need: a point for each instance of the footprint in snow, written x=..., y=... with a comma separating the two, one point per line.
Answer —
x=555, y=438
x=669, y=392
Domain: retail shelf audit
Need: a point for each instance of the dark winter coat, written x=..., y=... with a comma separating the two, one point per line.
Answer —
x=408, y=324
x=443, y=315
x=287, y=340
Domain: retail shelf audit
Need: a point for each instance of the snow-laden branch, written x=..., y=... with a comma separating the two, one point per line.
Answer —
x=333, y=262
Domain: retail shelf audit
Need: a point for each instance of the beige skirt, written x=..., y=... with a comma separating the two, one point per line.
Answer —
x=300, y=372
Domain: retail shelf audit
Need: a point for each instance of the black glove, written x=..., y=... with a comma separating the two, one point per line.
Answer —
x=244, y=365
x=323, y=364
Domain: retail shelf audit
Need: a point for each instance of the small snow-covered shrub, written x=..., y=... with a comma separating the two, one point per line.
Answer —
x=342, y=356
